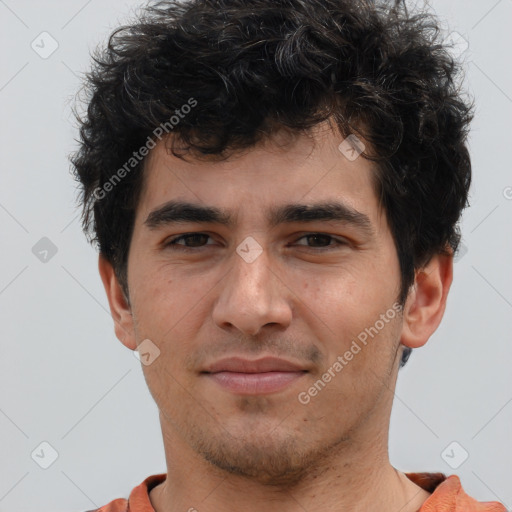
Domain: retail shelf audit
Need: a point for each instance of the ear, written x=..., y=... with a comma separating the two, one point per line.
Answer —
x=426, y=302
x=119, y=307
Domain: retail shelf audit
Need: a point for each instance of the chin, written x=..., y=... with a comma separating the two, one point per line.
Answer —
x=275, y=465
x=273, y=457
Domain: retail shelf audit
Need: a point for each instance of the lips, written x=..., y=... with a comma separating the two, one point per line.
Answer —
x=254, y=377
x=240, y=365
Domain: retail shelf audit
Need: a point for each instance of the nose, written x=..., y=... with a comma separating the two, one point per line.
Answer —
x=254, y=295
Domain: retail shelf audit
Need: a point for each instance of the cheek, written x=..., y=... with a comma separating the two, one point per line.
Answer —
x=343, y=300
x=363, y=330
x=161, y=297
x=357, y=375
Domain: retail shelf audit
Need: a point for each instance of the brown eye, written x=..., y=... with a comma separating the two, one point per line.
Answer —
x=321, y=241
x=191, y=240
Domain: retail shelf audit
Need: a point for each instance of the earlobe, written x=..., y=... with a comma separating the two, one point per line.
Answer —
x=119, y=307
x=426, y=301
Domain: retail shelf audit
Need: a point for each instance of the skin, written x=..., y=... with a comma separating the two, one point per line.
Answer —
x=296, y=301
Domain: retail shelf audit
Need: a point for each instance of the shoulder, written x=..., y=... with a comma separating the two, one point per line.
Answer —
x=118, y=505
x=139, y=497
x=449, y=496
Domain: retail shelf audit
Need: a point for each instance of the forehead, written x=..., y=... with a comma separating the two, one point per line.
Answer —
x=305, y=169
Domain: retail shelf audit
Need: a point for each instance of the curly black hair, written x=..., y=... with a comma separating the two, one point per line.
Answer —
x=249, y=68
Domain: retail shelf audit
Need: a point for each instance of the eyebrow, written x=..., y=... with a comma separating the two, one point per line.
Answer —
x=184, y=212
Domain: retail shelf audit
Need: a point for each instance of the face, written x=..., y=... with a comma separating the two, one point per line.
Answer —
x=277, y=324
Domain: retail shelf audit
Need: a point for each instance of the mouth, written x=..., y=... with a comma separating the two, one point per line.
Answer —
x=254, y=377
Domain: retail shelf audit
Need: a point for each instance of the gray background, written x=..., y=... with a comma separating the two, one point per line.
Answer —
x=66, y=380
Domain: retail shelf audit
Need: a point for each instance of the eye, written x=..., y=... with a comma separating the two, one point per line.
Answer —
x=324, y=241
x=190, y=241
x=194, y=238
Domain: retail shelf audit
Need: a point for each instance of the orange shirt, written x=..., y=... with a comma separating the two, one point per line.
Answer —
x=447, y=496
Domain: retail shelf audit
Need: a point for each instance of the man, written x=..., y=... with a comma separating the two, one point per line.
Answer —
x=274, y=187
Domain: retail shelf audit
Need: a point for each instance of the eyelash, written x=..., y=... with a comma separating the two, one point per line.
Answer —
x=174, y=246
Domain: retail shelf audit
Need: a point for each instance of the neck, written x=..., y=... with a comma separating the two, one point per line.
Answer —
x=355, y=476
